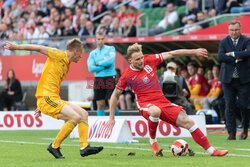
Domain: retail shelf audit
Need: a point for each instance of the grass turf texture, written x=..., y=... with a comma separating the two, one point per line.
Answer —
x=28, y=148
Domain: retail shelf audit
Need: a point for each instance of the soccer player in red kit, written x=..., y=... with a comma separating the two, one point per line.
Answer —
x=151, y=102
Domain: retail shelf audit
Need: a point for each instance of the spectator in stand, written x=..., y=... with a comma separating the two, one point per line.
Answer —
x=55, y=30
x=68, y=14
x=104, y=26
x=15, y=11
x=60, y=6
x=212, y=13
x=112, y=13
x=3, y=31
x=192, y=10
x=68, y=29
x=233, y=3
x=190, y=26
x=98, y=8
x=22, y=25
x=82, y=26
x=201, y=16
x=215, y=89
x=76, y=16
x=241, y=9
x=220, y=6
x=91, y=29
x=90, y=7
x=48, y=8
x=197, y=85
x=170, y=19
x=43, y=35
x=115, y=28
x=133, y=14
x=129, y=29
x=12, y=92
x=122, y=14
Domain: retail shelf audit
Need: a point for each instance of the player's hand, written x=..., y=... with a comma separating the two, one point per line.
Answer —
x=201, y=52
x=37, y=113
x=10, y=46
x=110, y=123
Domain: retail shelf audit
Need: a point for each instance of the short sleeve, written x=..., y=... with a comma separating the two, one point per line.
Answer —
x=154, y=59
x=122, y=83
x=56, y=54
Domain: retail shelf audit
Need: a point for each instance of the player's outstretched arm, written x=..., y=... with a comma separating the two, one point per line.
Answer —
x=113, y=105
x=29, y=47
x=185, y=52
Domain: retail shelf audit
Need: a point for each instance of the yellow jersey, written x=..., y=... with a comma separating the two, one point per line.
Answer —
x=54, y=71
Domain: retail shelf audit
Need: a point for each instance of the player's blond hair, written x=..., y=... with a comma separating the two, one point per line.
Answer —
x=133, y=49
x=73, y=44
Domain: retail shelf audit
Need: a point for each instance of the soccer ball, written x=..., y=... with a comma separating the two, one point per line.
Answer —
x=179, y=147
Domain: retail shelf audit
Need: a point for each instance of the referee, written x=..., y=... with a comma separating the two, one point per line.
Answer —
x=102, y=62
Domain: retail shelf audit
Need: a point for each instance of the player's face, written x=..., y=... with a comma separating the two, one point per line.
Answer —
x=99, y=41
x=137, y=60
x=234, y=31
x=77, y=55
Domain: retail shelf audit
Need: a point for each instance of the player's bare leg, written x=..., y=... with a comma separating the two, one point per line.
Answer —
x=185, y=122
x=85, y=148
x=153, y=122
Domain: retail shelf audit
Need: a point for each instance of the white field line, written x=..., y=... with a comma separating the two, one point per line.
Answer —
x=125, y=148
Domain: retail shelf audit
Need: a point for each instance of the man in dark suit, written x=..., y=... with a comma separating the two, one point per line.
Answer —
x=234, y=55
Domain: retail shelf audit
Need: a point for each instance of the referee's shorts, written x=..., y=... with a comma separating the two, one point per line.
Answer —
x=104, y=87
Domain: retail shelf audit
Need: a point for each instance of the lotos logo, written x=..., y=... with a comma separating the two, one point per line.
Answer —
x=37, y=68
x=99, y=130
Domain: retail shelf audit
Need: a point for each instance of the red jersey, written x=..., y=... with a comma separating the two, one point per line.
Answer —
x=215, y=84
x=144, y=82
x=200, y=80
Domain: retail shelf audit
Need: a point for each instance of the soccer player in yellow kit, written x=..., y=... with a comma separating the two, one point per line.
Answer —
x=48, y=100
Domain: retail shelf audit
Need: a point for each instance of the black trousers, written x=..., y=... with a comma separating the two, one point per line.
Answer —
x=235, y=91
x=6, y=101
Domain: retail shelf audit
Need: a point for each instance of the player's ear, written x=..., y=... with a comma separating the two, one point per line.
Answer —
x=129, y=61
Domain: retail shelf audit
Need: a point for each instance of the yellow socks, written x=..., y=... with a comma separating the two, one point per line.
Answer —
x=83, y=129
x=63, y=133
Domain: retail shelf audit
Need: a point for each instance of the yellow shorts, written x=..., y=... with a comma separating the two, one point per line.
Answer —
x=51, y=105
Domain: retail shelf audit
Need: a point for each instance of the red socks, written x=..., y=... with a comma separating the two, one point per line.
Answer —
x=199, y=137
x=152, y=126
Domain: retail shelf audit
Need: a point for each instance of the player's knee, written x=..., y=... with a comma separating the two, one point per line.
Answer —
x=154, y=111
x=76, y=117
x=101, y=106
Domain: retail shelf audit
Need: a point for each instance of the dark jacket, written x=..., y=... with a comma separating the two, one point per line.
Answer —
x=228, y=63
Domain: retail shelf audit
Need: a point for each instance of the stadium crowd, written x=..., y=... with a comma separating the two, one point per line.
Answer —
x=30, y=19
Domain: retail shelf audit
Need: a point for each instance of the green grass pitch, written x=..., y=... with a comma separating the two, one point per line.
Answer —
x=28, y=149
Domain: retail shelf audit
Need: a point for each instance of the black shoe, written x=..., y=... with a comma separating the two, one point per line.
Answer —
x=55, y=151
x=90, y=150
x=244, y=134
x=231, y=137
